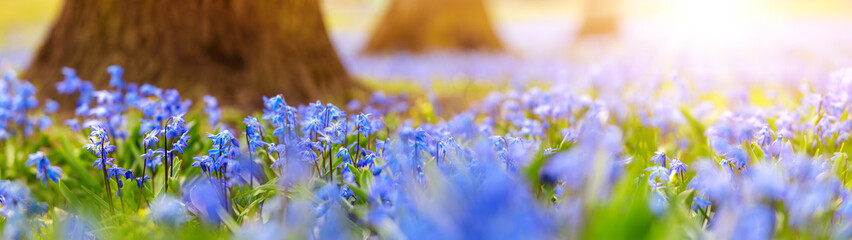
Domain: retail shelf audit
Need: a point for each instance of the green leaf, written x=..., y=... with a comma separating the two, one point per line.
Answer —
x=100, y=201
x=68, y=195
x=360, y=192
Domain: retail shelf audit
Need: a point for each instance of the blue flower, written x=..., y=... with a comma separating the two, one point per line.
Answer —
x=115, y=73
x=657, y=173
x=330, y=136
x=105, y=97
x=99, y=163
x=221, y=150
x=363, y=124
x=204, y=162
x=131, y=95
x=678, y=167
x=51, y=106
x=99, y=141
x=367, y=161
x=152, y=158
x=150, y=90
x=86, y=90
x=205, y=200
x=221, y=138
x=128, y=175
x=211, y=108
x=308, y=150
x=253, y=132
x=70, y=84
x=700, y=203
x=116, y=173
x=168, y=210
x=764, y=138
x=175, y=126
x=660, y=158
x=151, y=139
x=311, y=126
x=283, y=118
x=736, y=157
x=181, y=143
x=343, y=155
x=44, y=170
x=140, y=181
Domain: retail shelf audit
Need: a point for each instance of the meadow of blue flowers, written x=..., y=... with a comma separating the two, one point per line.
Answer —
x=138, y=161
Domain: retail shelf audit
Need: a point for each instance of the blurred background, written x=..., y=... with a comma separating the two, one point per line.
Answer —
x=758, y=41
x=531, y=28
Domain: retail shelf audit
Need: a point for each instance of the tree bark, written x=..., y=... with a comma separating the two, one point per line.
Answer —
x=419, y=26
x=601, y=18
x=236, y=50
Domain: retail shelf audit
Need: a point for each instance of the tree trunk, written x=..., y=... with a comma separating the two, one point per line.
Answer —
x=236, y=50
x=601, y=18
x=419, y=26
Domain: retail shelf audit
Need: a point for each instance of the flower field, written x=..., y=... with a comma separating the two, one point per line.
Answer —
x=564, y=161
x=689, y=120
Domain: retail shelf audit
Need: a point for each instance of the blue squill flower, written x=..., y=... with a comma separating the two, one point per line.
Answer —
x=220, y=140
x=150, y=90
x=115, y=73
x=99, y=163
x=253, y=133
x=780, y=146
x=764, y=138
x=678, y=167
x=87, y=91
x=168, y=210
x=367, y=161
x=152, y=157
x=660, y=158
x=308, y=150
x=151, y=139
x=700, y=203
x=657, y=173
x=381, y=146
x=128, y=175
x=736, y=157
x=105, y=97
x=345, y=192
x=343, y=154
x=131, y=95
x=70, y=84
x=82, y=110
x=116, y=173
x=44, y=170
x=334, y=113
x=221, y=150
x=180, y=143
x=99, y=141
x=175, y=127
x=149, y=125
x=311, y=126
x=211, y=108
x=140, y=181
x=205, y=200
x=753, y=222
x=330, y=138
x=363, y=124
x=204, y=162
x=51, y=106
x=317, y=110
x=766, y=181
